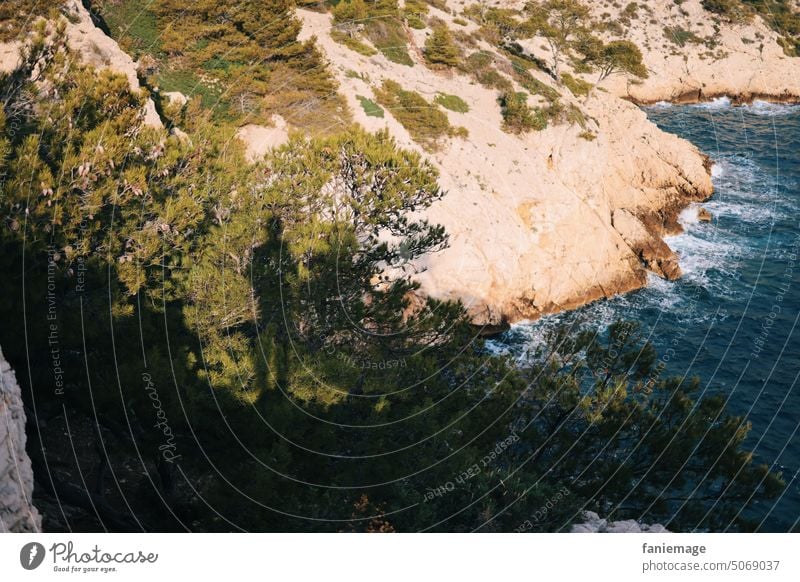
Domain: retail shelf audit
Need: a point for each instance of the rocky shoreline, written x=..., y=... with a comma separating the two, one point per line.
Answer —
x=550, y=220
x=736, y=99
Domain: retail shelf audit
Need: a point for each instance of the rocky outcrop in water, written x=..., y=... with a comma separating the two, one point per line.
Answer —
x=17, y=513
x=595, y=524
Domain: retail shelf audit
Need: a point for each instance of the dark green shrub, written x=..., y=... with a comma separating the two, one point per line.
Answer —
x=518, y=116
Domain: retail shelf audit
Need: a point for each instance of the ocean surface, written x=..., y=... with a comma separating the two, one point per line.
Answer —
x=732, y=319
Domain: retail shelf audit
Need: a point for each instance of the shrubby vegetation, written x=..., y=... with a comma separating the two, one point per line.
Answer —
x=440, y=49
x=19, y=16
x=379, y=21
x=784, y=17
x=577, y=87
x=415, y=12
x=518, y=116
x=567, y=28
x=426, y=123
x=242, y=59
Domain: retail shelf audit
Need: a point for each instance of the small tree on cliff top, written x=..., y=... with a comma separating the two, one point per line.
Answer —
x=619, y=56
x=560, y=22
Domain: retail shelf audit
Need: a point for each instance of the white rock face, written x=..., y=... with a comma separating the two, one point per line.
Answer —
x=530, y=217
x=9, y=56
x=17, y=514
x=259, y=139
x=743, y=61
x=595, y=524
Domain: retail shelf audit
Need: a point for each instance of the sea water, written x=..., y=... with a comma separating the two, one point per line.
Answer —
x=732, y=319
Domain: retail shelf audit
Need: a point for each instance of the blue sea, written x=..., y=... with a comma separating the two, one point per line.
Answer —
x=732, y=320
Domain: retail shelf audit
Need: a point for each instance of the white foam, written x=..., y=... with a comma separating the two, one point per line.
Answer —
x=718, y=103
x=744, y=211
x=771, y=109
x=688, y=216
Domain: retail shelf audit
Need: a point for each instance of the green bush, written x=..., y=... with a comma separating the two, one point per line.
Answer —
x=518, y=116
x=493, y=80
x=452, y=102
x=441, y=49
x=414, y=12
x=478, y=61
x=349, y=12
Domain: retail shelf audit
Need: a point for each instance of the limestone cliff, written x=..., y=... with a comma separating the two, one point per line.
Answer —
x=693, y=55
x=17, y=513
x=531, y=217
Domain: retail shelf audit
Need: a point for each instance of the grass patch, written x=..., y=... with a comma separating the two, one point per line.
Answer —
x=389, y=37
x=681, y=36
x=132, y=25
x=191, y=85
x=578, y=87
x=353, y=43
x=371, y=108
x=452, y=102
